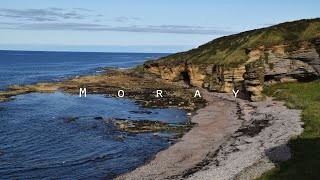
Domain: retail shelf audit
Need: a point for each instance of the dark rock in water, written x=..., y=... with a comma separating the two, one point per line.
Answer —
x=155, y=127
x=2, y=109
x=120, y=137
x=142, y=112
x=106, y=121
x=120, y=119
x=70, y=119
x=98, y=118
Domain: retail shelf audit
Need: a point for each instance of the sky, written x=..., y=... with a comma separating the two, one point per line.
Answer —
x=137, y=25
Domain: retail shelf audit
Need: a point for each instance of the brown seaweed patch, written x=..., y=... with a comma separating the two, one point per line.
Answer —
x=147, y=126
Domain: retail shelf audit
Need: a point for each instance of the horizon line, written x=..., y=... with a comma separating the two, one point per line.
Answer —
x=67, y=51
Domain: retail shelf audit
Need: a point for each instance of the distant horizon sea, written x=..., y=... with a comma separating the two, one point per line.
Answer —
x=52, y=66
x=38, y=141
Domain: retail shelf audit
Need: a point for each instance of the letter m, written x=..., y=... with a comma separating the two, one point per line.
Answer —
x=83, y=91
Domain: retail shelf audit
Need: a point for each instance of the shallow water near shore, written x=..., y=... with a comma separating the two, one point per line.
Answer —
x=56, y=135
x=37, y=141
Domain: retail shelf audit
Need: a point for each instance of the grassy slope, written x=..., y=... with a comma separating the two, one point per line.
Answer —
x=231, y=50
x=305, y=163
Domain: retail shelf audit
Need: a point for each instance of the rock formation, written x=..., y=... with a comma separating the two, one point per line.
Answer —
x=256, y=66
x=265, y=66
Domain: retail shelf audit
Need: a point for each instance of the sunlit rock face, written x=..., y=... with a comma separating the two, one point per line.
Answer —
x=265, y=66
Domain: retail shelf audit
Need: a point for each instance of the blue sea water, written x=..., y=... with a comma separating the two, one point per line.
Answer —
x=37, y=142
x=29, y=67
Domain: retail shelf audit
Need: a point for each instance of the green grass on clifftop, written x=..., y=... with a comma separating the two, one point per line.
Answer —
x=305, y=163
x=231, y=50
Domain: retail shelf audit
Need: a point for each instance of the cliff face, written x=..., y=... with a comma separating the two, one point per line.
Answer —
x=264, y=66
x=249, y=60
x=192, y=74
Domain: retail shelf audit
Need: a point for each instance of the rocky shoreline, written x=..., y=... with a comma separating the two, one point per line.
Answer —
x=234, y=139
x=228, y=137
x=252, y=135
x=137, y=85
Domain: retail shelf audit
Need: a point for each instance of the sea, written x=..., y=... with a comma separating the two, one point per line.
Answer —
x=36, y=141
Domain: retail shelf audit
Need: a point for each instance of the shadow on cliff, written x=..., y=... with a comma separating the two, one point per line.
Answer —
x=243, y=95
x=304, y=164
x=185, y=77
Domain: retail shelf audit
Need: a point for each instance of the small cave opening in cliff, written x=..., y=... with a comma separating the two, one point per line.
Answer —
x=185, y=77
x=268, y=78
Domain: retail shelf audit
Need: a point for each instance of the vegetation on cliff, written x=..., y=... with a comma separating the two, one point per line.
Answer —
x=305, y=148
x=232, y=50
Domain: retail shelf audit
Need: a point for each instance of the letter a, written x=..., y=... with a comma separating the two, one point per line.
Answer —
x=83, y=91
x=197, y=94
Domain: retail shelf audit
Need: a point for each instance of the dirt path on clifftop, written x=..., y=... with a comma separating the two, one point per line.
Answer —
x=216, y=122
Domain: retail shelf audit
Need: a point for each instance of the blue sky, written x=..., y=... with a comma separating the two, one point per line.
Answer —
x=137, y=25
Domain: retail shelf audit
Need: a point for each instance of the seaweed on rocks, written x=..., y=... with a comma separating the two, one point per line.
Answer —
x=142, y=112
x=254, y=128
x=132, y=127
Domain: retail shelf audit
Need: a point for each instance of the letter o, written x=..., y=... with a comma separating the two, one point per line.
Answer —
x=121, y=93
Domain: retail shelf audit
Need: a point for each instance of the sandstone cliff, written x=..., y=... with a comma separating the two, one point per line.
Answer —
x=256, y=62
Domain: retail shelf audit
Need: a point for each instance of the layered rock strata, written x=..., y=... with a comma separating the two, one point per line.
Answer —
x=264, y=66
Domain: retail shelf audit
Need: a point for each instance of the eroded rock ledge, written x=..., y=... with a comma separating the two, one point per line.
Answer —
x=265, y=66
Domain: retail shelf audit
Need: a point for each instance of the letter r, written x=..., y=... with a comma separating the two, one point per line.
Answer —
x=159, y=93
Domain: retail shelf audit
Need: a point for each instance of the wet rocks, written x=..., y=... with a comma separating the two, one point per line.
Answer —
x=98, y=118
x=146, y=126
x=171, y=99
x=70, y=119
x=122, y=126
x=120, y=137
x=138, y=85
x=141, y=112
